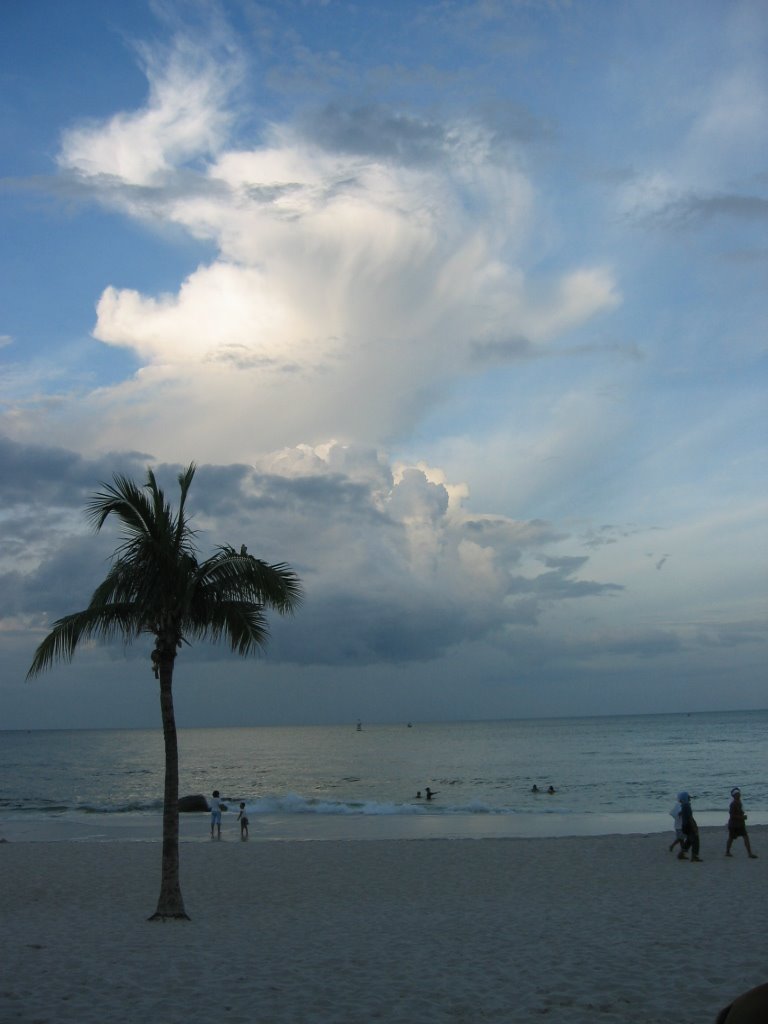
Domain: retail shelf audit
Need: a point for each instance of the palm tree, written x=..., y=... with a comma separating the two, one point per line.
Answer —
x=156, y=585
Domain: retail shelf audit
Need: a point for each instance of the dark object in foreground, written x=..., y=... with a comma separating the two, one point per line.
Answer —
x=749, y=1008
x=197, y=802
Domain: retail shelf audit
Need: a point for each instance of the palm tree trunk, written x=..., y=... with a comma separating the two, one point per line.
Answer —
x=170, y=904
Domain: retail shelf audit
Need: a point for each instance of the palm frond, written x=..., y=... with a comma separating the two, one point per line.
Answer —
x=241, y=624
x=232, y=573
x=137, y=582
x=155, y=583
x=68, y=632
x=124, y=499
x=163, y=517
x=185, y=482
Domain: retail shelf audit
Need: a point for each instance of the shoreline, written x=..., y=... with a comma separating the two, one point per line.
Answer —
x=609, y=928
x=194, y=827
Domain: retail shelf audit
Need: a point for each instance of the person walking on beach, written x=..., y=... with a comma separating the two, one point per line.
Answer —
x=242, y=817
x=689, y=827
x=737, y=824
x=216, y=814
x=677, y=814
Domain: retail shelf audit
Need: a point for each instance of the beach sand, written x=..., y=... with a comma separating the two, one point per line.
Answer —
x=577, y=930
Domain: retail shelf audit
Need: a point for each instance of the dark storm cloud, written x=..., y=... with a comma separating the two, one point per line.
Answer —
x=385, y=134
x=32, y=474
x=526, y=532
x=557, y=583
x=693, y=210
x=357, y=629
x=62, y=582
x=74, y=189
x=392, y=575
x=241, y=490
x=501, y=349
x=360, y=629
x=378, y=132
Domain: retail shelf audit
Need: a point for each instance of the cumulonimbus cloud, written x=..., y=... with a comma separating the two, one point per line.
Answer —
x=352, y=284
x=395, y=565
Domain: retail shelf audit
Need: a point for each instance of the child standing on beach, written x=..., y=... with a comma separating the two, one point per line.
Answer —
x=242, y=817
x=216, y=814
x=737, y=824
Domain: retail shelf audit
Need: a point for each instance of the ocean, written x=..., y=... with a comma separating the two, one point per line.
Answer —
x=610, y=775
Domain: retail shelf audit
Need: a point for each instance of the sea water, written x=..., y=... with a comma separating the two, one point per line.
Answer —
x=610, y=774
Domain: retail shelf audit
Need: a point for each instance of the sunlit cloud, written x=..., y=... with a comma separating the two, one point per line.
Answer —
x=185, y=118
x=361, y=278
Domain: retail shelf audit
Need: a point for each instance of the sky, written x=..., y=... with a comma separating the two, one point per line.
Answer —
x=460, y=308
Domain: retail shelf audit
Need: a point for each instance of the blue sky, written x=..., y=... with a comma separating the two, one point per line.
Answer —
x=459, y=306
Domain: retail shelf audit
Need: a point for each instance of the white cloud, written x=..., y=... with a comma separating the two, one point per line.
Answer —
x=185, y=117
x=224, y=312
x=351, y=288
x=359, y=290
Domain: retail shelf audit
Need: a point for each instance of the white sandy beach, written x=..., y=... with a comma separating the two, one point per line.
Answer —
x=576, y=930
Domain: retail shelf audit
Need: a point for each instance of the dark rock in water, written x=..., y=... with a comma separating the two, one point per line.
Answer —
x=193, y=803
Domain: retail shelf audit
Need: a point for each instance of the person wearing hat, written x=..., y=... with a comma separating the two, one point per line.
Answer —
x=689, y=827
x=737, y=824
